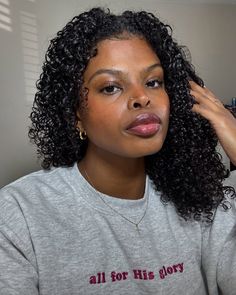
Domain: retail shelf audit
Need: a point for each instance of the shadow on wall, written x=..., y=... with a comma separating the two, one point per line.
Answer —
x=19, y=73
x=30, y=52
x=5, y=16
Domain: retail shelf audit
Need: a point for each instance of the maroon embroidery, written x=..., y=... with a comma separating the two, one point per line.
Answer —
x=118, y=276
x=143, y=274
x=137, y=274
x=171, y=269
x=98, y=279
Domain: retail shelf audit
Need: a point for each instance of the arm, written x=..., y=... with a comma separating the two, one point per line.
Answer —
x=18, y=264
x=17, y=274
x=223, y=122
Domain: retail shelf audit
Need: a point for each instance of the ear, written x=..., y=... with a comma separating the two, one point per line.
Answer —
x=79, y=124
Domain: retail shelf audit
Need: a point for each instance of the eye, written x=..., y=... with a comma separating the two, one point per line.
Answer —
x=154, y=83
x=110, y=89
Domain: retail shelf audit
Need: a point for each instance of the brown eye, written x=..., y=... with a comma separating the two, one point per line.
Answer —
x=111, y=89
x=154, y=83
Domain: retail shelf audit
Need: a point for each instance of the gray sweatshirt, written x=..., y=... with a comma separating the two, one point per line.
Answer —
x=57, y=237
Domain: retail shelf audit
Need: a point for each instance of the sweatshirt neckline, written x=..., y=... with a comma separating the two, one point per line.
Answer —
x=92, y=197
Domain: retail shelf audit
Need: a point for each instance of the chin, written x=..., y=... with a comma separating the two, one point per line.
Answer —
x=153, y=148
x=148, y=152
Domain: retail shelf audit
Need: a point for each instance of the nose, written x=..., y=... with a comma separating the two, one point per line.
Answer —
x=138, y=101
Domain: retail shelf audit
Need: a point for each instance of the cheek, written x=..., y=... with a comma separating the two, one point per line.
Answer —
x=102, y=119
x=166, y=106
x=164, y=111
x=161, y=103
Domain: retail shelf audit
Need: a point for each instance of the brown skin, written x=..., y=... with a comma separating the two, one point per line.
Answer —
x=114, y=159
x=223, y=122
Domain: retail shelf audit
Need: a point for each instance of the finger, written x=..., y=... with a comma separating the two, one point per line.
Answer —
x=199, y=109
x=203, y=90
x=212, y=104
x=200, y=97
x=205, y=112
x=194, y=86
x=210, y=110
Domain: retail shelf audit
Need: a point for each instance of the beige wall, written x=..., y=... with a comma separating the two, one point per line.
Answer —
x=207, y=29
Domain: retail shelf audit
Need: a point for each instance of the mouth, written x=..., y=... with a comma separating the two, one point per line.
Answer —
x=145, y=125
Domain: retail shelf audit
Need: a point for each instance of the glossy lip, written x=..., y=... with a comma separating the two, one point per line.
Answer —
x=145, y=125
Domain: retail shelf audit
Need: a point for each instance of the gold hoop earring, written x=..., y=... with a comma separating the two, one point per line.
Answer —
x=82, y=135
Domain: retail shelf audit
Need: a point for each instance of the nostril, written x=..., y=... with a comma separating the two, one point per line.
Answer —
x=136, y=105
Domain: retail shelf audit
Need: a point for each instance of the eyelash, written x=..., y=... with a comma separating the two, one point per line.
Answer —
x=118, y=88
x=160, y=83
x=104, y=89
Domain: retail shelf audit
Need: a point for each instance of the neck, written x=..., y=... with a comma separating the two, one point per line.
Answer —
x=115, y=176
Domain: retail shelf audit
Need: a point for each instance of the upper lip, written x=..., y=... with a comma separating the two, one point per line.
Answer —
x=146, y=118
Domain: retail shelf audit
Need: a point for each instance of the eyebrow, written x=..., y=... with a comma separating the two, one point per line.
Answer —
x=115, y=72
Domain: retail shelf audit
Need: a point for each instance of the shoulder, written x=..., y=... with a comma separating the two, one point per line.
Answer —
x=40, y=181
x=37, y=189
x=221, y=231
x=31, y=198
x=225, y=219
x=219, y=246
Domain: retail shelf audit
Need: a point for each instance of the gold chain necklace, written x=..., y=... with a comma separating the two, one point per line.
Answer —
x=114, y=210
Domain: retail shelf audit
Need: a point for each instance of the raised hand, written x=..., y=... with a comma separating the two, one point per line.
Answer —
x=223, y=122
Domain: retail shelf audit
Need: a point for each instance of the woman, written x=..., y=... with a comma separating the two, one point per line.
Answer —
x=131, y=206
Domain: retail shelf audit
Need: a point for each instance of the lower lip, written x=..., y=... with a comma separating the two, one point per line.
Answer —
x=145, y=130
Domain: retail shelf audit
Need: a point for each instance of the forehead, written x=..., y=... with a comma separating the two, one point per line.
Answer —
x=124, y=54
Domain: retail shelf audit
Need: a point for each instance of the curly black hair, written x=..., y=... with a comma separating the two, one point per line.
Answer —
x=187, y=170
